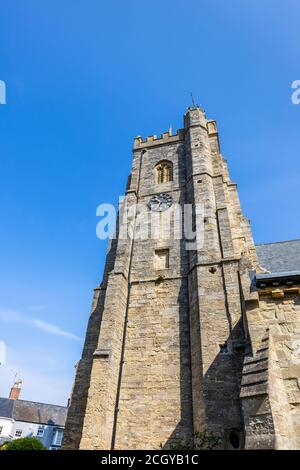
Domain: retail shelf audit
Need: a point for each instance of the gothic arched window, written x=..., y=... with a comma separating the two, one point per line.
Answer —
x=164, y=172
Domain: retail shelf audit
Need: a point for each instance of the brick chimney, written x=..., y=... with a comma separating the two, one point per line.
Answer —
x=15, y=390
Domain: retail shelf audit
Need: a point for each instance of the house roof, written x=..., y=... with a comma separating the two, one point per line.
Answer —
x=6, y=408
x=33, y=412
x=279, y=257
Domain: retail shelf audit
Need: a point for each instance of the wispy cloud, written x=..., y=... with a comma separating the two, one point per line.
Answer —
x=13, y=316
x=51, y=329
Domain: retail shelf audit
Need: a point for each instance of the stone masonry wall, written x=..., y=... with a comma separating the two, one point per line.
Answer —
x=155, y=403
x=280, y=319
x=283, y=317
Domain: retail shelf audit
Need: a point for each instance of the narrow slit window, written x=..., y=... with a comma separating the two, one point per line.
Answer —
x=161, y=259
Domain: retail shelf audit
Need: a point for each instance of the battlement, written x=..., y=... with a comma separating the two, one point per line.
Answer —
x=153, y=140
x=168, y=137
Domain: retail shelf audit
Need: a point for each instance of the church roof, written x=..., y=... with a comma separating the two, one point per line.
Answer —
x=33, y=412
x=279, y=257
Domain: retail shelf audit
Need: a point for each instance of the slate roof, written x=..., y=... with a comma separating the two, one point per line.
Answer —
x=280, y=257
x=6, y=408
x=33, y=412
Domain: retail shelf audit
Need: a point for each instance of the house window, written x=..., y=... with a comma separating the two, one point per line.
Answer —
x=164, y=172
x=1, y=429
x=57, y=437
x=40, y=431
x=161, y=259
x=18, y=433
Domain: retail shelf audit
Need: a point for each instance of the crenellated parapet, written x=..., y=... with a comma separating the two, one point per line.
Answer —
x=153, y=140
x=193, y=117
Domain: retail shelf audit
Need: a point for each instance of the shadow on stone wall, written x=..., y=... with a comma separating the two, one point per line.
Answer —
x=221, y=396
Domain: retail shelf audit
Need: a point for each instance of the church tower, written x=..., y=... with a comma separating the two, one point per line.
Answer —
x=166, y=342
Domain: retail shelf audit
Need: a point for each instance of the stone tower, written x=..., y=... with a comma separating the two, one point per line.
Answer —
x=170, y=345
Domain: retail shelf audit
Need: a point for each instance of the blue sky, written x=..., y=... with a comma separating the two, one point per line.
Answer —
x=83, y=78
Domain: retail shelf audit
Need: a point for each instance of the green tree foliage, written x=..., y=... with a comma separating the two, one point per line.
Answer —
x=25, y=443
